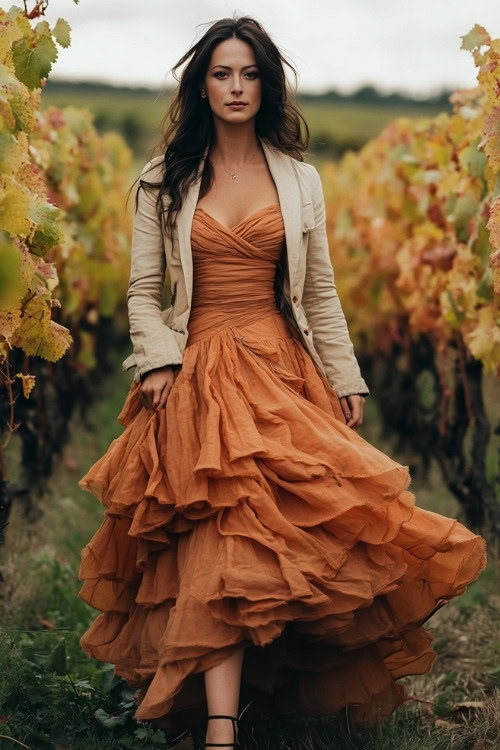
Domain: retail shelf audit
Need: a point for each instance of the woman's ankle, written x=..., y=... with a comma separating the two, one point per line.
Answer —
x=221, y=730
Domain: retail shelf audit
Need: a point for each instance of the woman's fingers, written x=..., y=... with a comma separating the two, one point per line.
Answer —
x=157, y=391
x=352, y=406
x=164, y=395
x=156, y=387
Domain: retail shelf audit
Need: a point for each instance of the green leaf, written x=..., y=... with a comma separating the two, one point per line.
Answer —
x=476, y=37
x=33, y=61
x=11, y=286
x=48, y=232
x=465, y=208
x=473, y=161
x=481, y=245
x=61, y=32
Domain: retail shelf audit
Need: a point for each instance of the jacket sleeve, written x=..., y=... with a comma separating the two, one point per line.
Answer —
x=323, y=308
x=153, y=342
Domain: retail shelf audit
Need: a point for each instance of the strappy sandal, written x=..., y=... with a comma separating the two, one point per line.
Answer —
x=236, y=744
x=201, y=744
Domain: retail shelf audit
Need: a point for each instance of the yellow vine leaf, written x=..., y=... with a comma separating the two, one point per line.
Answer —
x=62, y=216
x=7, y=119
x=28, y=383
x=10, y=320
x=56, y=343
x=14, y=204
x=491, y=138
x=39, y=335
x=484, y=339
x=494, y=223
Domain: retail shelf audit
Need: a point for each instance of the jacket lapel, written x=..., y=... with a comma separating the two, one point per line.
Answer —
x=282, y=171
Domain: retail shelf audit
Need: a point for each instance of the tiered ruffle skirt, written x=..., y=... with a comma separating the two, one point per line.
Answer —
x=246, y=511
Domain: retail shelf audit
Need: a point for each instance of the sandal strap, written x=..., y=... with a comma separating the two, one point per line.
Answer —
x=222, y=716
x=222, y=744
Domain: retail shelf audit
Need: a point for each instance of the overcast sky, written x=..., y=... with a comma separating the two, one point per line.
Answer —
x=405, y=45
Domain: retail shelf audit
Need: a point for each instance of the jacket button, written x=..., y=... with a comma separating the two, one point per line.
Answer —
x=295, y=298
x=306, y=331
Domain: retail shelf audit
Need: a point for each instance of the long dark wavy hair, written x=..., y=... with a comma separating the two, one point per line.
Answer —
x=188, y=124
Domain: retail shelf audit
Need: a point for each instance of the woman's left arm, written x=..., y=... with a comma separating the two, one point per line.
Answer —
x=324, y=310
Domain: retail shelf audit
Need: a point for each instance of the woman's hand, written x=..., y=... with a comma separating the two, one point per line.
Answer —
x=352, y=406
x=156, y=386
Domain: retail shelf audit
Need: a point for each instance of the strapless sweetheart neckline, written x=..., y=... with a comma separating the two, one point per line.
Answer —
x=231, y=229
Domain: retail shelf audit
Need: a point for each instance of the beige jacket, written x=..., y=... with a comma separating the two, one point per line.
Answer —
x=311, y=304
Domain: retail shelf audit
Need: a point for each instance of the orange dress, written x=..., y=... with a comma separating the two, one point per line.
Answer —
x=246, y=511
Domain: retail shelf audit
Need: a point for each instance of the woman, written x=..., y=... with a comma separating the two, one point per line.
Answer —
x=251, y=533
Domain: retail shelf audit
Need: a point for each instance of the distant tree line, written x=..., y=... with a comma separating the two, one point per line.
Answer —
x=136, y=128
x=371, y=95
x=364, y=94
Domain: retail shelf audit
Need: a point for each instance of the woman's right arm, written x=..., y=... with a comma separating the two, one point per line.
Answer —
x=153, y=342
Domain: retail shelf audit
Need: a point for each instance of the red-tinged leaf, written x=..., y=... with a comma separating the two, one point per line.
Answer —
x=439, y=256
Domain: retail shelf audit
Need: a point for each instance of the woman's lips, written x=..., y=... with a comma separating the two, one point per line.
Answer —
x=236, y=106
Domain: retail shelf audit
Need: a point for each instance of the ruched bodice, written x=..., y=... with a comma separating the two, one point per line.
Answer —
x=247, y=512
x=234, y=269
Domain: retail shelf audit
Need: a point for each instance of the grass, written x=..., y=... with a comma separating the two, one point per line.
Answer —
x=52, y=697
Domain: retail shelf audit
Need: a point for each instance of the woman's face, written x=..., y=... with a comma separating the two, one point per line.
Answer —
x=233, y=75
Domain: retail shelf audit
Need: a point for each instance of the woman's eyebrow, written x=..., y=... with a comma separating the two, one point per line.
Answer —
x=253, y=65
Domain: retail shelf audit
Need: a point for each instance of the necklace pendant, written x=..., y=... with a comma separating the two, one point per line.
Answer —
x=233, y=175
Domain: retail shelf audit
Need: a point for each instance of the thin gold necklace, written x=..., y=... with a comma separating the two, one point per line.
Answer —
x=233, y=174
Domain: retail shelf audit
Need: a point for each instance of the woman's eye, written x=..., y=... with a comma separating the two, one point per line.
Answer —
x=223, y=73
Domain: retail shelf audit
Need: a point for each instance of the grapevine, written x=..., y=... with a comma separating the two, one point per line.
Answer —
x=414, y=230
x=64, y=241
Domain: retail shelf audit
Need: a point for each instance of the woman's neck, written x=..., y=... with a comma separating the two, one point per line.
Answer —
x=234, y=147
